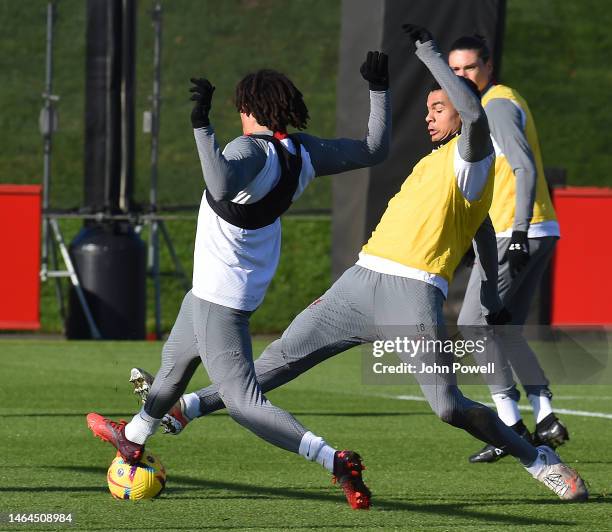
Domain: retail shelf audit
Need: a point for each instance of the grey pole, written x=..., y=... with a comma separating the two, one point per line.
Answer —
x=155, y=119
x=47, y=124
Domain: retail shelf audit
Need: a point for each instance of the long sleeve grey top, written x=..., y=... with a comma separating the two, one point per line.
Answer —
x=485, y=247
x=474, y=143
x=507, y=124
x=229, y=172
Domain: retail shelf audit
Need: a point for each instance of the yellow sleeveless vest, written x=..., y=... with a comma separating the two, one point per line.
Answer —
x=504, y=198
x=428, y=224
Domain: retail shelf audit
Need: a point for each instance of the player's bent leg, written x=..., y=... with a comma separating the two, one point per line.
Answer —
x=331, y=325
x=480, y=421
x=178, y=364
x=325, y=328
x=549, y=429
x=226, y=353
x=501, y=383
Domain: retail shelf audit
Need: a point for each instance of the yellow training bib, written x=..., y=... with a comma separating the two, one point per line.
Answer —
x=504, y=198
x=429, y=224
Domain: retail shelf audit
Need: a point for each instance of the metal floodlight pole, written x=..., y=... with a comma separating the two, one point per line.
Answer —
x=48, y=122
x=155, y=119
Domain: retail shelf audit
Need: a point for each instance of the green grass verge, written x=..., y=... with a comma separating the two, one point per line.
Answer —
x=221, y=477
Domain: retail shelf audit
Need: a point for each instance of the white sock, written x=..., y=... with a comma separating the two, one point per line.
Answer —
x=545, y=457
x=535, y=468
x=192, y=405
x=541, y=406
x=313, y=448
x=326, y=457
x=141, y=427
x=507, y=409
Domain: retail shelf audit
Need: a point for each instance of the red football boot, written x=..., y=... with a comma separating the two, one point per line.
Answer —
x=347, y=471
x=114, y=433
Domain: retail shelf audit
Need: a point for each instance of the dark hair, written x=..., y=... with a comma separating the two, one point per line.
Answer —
x=473, y=42
x=435, y=86
x=272, y=99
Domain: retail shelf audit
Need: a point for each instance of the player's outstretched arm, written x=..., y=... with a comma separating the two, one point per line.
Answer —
x=474, y=143
x=225, y=173
x=332, y=156
x=485, y=247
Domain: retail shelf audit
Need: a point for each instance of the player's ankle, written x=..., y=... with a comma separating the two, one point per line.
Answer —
x=141, y=427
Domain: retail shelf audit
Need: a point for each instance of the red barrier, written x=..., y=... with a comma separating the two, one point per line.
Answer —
x=20, y=220
x=582, y=267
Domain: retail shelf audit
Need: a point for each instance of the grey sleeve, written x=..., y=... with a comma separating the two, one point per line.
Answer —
x=229, y=172
x=332, y=156
x=506, y=123
x=485, y=247
x=474, y=143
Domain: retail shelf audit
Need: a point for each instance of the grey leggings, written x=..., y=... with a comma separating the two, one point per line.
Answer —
x=363, y=306
x=219, y=337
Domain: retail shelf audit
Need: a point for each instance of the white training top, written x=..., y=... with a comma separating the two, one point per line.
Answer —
x=232, y=266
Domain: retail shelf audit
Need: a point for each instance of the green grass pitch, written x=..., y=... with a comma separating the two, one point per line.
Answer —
x=221, y=477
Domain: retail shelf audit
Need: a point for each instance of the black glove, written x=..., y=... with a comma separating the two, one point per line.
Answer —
x=375, y=70
x=518, y=252
x=202, y=95
x=417, y=33
x=501, y=317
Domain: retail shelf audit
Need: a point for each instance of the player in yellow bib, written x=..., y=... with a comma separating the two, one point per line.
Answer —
x=397, y=288
x=526, y=229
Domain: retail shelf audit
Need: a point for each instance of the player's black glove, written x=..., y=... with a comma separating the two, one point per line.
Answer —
x=501, y=317
x=202, y=94
x=518, y=252
x=417, y=33
x=375, y=70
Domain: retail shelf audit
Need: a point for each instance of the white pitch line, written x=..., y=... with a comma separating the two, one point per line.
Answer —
x=569, y=412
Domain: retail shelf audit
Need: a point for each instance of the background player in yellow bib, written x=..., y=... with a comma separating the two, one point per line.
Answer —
x=526, y=229
x=398, y=286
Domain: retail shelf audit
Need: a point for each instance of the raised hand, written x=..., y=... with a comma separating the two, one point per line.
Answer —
x=417, y=33
x=202, y=93
x=375, y=70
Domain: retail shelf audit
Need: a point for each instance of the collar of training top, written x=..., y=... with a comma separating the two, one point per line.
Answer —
x=280, y=135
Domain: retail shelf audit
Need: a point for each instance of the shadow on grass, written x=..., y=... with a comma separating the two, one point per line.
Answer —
x=114, y=415
x=452, y=509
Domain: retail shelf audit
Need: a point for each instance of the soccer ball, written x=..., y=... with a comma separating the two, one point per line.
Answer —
x=143, y=480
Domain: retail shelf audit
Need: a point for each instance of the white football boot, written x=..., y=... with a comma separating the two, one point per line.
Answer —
x=141, y=380
x=176, y=419
x=558, y=477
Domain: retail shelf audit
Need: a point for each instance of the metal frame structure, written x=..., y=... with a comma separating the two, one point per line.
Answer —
x=51, y=232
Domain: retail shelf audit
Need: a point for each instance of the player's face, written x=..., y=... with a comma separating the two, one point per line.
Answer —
x=467, y=64
x=442, y=118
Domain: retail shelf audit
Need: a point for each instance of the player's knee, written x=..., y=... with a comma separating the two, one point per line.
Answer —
x=239, y=406
x=451, y=414
x=511, y=392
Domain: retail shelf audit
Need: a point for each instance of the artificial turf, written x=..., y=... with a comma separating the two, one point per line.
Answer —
x=221, y=477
